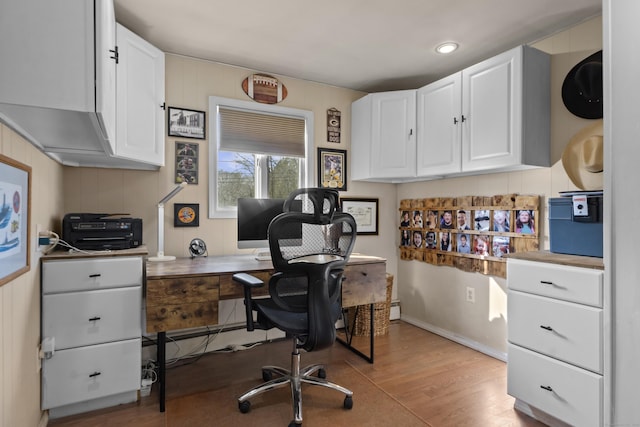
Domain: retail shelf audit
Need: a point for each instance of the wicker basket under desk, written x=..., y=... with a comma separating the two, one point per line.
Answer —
x=381, y=312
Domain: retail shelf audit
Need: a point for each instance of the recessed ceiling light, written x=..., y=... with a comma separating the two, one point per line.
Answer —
x=447, y=47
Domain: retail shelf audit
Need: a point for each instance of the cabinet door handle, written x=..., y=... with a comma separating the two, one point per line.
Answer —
x=93, y=319
x=95, y=374
x=95, y=275
x=464, y=119
x=116, y=55
x=410, y=132
x=546, y=387
x=547, y=328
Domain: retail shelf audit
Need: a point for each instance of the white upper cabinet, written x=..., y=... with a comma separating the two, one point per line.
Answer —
x=58, y=82
x=383, y=136
x=505, y=104
x=493, y=116
x=439, y=128
x=140, y=96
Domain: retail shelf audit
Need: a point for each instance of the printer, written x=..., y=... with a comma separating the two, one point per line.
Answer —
x=98, y=231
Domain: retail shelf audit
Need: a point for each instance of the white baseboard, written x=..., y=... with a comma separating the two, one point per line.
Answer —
x=456, y=338
x=538, y=414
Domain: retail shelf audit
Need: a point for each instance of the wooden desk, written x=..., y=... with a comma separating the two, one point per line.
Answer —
x=184, y=293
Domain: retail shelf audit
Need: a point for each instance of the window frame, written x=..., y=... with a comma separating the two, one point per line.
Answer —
x=215, y=102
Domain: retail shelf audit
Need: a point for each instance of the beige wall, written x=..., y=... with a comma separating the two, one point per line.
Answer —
x=434, y=297
x=20, y=298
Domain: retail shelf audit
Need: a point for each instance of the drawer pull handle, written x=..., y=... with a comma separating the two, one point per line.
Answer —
x=95, y=275
x=95, y=374
x=548, y=328
x=546, y=387
x=93, y=319
x=546, y=282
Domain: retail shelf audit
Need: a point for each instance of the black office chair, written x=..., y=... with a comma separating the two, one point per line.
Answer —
x=309, y=251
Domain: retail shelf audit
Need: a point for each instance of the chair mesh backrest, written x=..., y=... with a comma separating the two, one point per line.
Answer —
x=311, y=225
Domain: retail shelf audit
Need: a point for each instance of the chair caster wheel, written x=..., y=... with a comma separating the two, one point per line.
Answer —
x=322, y=373
x=244, y=406
x=348, y=402
x=266, y=375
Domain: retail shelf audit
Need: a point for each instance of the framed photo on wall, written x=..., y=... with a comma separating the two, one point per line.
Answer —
x=186, y=214
x=364, y=211
x=187, y=162
x=15, y=218
x=332, y=169
x=186, y=123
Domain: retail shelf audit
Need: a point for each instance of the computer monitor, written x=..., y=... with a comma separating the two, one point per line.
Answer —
x=254, y=217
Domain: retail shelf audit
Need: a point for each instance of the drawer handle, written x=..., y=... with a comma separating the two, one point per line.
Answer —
x=95, y=374
x=546, y=387
x=95, y=275
x=93, y=319
x=546, y=282
x=548, y=328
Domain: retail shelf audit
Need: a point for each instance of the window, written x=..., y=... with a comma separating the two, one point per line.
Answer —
x=256, y=150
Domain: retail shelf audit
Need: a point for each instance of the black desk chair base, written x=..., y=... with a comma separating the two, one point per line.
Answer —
x=294, y=377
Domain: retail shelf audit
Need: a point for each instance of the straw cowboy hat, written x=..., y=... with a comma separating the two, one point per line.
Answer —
x=582, y=157
x=582, y=88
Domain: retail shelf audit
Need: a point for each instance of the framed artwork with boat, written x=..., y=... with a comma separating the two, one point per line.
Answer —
x=15, y=206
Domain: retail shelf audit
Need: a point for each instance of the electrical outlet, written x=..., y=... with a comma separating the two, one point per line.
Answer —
x=471, y=294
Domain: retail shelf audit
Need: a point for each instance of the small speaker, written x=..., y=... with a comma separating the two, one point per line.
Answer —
x=197, y=248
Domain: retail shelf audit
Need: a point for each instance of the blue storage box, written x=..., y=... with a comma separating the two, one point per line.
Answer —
x=575, y=235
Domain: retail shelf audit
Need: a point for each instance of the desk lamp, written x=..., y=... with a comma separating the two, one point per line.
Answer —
x=161, y=256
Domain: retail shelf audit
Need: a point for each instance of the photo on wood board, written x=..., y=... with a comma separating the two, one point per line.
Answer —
x=463, y=219
x=417, y=239
x=525, y=222
x=430, y=240
x=501, y=221
x=417, y=219
x=405, y=238
x=481, y=244
x=445, y=241
x=500, y=246
x=405, y=219
x=463, y=245
x=446, y=220
x=432, y=220
x=481, y=220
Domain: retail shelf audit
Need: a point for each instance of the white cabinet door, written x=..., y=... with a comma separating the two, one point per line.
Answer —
x=140, y=95
x=439, y=126
x=106, y=59
x=393, y=137
x=492, y=107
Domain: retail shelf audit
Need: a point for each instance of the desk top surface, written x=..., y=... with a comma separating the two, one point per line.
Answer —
x=226, y=264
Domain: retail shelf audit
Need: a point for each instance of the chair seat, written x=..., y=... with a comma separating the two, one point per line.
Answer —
x=295, y=323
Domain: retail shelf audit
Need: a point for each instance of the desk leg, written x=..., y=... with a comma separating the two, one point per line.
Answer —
x=161, y=351
x=349, y=334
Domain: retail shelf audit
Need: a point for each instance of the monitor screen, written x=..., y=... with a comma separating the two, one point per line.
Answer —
x=254, y=217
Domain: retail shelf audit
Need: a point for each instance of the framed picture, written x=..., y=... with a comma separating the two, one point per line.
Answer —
x=186, y=123
x=364, y=211
x=15, y=218
x=332, y=169
x=186, y=214
x=187, y=162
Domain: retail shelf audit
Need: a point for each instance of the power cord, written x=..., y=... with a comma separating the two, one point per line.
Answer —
x=51, y=239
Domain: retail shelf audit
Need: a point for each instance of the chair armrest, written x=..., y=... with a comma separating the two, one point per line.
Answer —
x=248, y=282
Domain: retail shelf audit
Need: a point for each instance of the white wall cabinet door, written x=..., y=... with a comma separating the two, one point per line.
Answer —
x=106, y=60
x=140, y=96
x=439, y=125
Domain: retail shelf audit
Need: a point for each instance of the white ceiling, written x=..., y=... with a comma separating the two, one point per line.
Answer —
x=367, y=45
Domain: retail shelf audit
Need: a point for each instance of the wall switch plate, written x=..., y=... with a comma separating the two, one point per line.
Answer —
x=471, y=294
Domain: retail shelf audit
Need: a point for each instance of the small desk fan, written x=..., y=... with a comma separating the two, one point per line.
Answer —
x=197, y=248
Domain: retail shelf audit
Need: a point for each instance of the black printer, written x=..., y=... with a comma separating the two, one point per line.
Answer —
x=95, y=231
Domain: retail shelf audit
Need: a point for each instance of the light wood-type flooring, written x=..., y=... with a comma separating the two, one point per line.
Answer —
x=417, y=375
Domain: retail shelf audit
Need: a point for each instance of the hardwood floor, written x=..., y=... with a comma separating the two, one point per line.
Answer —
x=439, y=382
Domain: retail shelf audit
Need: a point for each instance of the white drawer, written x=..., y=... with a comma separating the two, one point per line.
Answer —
x=563, y=330
x=91, y=317
x=581, y=285
x=570, y=394
x=86, y=373
x=90, y=274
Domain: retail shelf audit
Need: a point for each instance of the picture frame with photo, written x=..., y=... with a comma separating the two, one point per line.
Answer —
x=186, y=123
x=481, y=220
x=364, y=211
x=187, y=159
x=500, y=246
x=15, y=218
x=332, y=169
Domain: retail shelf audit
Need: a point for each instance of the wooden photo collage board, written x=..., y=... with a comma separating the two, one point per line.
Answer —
x=472, y=233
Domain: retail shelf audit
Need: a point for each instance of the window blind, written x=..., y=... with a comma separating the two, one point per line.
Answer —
x=250, y=132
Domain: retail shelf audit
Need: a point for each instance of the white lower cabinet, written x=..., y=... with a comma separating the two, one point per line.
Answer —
x=91, y=312
x=556, y=340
